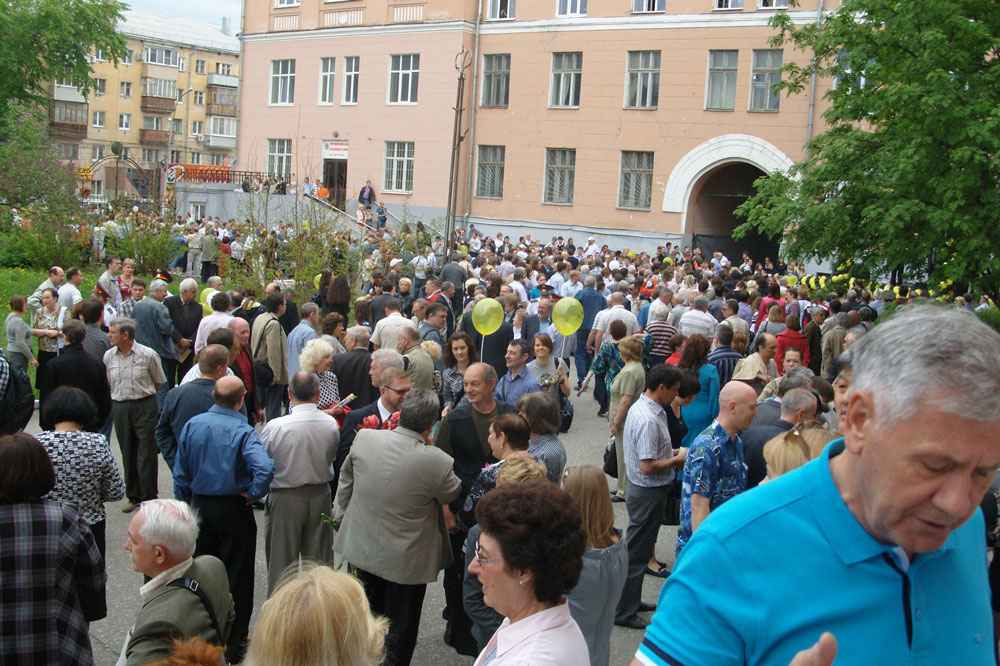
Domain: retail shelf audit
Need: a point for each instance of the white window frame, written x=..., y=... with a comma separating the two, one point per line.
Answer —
x=129, y=57
x=727, y=5
x=198, y=210
x=216, y=159
x=649, y=6
x=176, y=156
x=100, y=86
x=286, y=3
x=125, y=89
x=195, y=157
x=352, y=76
x=772, y=4
x=644, y=77
x=569, y=8
x=729, y=76
x=282, y=89
x=98, y=118
x=404, y=79
x=200, y=66
x=770, y=77
x=150, y=155
x=567, y=80
x=635, y=175
x=495, y=79
x=160, y=55
x=198, y=127
x=560, y=164
x=177, y=126
x=97, y=188
x=199, y=97
x=327, y=76
x=222, y=126
x=495, y=8
x=125, y=122
x=99, y=55
x=224, y=68
x=165, y=88
x=397, y=167
x=97, y=152
x=152, y=123
x=279, y=158
x=490, y=165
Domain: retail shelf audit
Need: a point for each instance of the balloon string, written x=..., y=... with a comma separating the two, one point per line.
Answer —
x=562, y=348
x=482, y=348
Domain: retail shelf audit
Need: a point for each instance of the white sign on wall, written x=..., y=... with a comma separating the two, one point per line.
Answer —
x=334, y=149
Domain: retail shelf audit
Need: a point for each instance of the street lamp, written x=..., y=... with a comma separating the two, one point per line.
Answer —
x=166, y=162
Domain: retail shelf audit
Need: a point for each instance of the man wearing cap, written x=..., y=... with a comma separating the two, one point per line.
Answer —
x=591, y=248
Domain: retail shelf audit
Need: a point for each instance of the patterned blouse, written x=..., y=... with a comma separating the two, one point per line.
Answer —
x=42, y=318
x=609, y=359
x=87, y=475
x=453, y=387
x=329, y=389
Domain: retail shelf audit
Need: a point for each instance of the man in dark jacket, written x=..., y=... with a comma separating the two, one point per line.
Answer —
x=352, y=368
x=185, y=312
x=75, y=367
x=797, y=406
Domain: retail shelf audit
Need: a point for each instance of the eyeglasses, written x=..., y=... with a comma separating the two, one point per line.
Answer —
x=485, y=560
x=397, y=391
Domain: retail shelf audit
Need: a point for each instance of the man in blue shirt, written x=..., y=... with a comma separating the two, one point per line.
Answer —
x=221, y=469
x=593, y=302
x=518, y=380
x=871, y=542
x=301, y=334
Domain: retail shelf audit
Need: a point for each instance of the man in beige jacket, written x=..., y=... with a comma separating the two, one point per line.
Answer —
x=267, y=346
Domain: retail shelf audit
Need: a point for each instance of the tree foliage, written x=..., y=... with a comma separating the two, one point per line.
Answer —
x=45, y=40
x=33, y=172
x=906, y=175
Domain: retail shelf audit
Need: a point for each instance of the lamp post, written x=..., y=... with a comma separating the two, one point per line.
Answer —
x=166, y=162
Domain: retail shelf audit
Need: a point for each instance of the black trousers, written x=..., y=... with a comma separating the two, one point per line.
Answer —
x=229, y=532
x=175, y=370
x=100, y=598
x=401, y=605
x=459, y=623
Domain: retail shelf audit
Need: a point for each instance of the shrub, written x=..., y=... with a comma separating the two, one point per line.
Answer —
x=14, y=251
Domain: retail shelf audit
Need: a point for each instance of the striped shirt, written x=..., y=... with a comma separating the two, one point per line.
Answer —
x=647, y=437
x=660, y=332
x=725, y=358
x=135, y=375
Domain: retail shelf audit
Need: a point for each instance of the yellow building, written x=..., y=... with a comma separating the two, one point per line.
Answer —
x=172, y=99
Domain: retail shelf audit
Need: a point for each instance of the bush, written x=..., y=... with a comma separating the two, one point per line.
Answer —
x=990, y=317
x=14, y=251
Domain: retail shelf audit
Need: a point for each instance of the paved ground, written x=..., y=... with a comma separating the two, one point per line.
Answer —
x=584, y=445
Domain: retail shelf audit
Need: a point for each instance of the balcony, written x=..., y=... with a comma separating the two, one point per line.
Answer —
x=225, y=142
x=67, y=94
x=223, y=80
x=221, y=110
x=153, y=137
x=68, y=120
x=158, y=104
x=68, y=130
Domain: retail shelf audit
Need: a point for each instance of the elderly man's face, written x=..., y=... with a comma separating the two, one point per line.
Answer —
x=143, y=557
x=918, y=481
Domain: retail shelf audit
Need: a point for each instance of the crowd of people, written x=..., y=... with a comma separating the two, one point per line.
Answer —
x=379, y=426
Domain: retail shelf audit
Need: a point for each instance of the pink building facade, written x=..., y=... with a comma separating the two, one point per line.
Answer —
x=638, y=121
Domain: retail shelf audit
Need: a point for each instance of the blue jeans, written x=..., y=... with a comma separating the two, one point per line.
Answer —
x=583, y=359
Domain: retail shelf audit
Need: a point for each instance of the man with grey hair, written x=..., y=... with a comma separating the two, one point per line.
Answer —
x=892, y=506
x=797, y=406
x=303, y=332
x=155, y=329
x=389, y=498
x=185, y=312
x=833, y=341
x=418, y=363
x=381, y=360
x=303, y=445
x=185, y=596
x=616, y=312
x=769, y=409
x=759, y=368
x=353, y=368
x=697, y=320
x=219, y=318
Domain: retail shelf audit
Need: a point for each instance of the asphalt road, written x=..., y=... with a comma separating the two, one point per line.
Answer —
x=584, y=445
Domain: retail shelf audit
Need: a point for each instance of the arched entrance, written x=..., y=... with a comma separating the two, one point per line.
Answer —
x=710, y=214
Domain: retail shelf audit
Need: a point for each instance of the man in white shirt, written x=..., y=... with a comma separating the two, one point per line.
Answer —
x=698, y=320
x=303, y=445
x=387, y=330
x=219, y=318
x=569, y=289
x=616, y=312
x=659, y=308
x=69, y=293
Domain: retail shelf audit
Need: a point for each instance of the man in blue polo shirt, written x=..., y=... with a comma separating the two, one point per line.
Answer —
x=518, y=380
x=872, y=542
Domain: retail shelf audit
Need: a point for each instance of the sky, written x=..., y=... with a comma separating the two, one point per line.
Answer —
x=212, y=11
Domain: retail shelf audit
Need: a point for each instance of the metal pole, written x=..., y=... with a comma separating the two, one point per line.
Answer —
x=462, y=62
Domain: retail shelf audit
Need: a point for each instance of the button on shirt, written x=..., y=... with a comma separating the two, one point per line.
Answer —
x=134, y=375
x=303, y=445
x=647, y=437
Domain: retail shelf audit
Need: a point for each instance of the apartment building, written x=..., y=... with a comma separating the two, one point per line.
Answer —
x=172, y=99
x=634, y=120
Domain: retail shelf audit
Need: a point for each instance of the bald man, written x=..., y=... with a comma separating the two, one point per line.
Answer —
x=714, y=471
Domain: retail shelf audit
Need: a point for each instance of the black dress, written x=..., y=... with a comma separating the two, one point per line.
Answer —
x=676, y=426
x=677, y=429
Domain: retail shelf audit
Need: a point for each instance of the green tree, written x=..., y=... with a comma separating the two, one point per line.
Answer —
x=45, y=40
x=33, y=172
x=906, y=175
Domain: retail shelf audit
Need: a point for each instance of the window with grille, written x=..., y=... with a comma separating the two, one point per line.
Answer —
x=327, y=69
x=567, y=74
x=489, y=181
x=404, y=74
x=722, y=66
x=496, y=79
x=636, y=189
x=398, y=176
x=352, y=72
x=282, y=82
x=766, y=73
x=642, y=88
x=279, y=157
x=560, y=171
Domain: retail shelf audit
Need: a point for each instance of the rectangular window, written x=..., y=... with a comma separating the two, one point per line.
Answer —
x=99, y=55
x=398, y=175
x=175, y=156
x=644, y=6
x=100, y=86
x=65, y=83
x=636, y=188
x=500, y=9
x=729, y=4
x=198, y=210
x=496, y=79
x=224, y=68
x=217, y=159
x=181, y=64
x=199, y=66
x=152, y=122
x=286, y=3
x=567, y=73
x=560, y=172
x=404, y=74
x=177, y=126
x=773, y=4
x=125, y=121
x=68, y=151
x=150, y=155
x=489, y=182
x=70, y=113
x=125, y=89
x=279, y=157
x=282, y=82
x=327, y=69
x=128, y=58
x=97, y=152
x=572, y=7
x=160, y=55
x=642, y=85
x=722, y=66
x=222, y=126
x=352, y=71
x=199, y=97
x=97, y=188
x=126, y=153
x=98, y=119
x=197, y=127
x=195, y=157
x=159, y=88
x=766, y=73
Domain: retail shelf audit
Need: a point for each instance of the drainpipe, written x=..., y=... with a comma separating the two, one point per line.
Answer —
x=239, y=83
x=472, y=118
x=812, y=87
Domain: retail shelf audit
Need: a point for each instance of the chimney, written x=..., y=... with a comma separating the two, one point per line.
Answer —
x=225, y=25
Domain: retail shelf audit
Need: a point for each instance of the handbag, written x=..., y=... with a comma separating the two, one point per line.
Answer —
x=262, y=372
x=611, y=459
x=566, y=412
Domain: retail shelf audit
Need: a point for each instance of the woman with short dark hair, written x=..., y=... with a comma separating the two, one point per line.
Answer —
x=541, y=412
x=528, y=557
x=52, y=574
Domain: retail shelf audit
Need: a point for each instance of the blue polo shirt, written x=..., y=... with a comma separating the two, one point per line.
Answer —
x=777, y=566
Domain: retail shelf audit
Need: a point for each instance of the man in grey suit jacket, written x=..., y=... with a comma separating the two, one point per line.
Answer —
x=392, y=488
x=155, y=329
x=161, y=539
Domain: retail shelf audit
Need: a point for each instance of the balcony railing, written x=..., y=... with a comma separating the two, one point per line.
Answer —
x=224, y=80
x=68, y=130
x=226, y=142
x=153, y=137
x=158, y=104
x=221, y=110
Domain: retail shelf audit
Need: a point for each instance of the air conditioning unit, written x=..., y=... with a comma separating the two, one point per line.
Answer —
x=200, y=138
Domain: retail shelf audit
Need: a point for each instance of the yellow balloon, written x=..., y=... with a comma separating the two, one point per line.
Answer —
x=487, y=316
x=206, y=298
x=316, y=280
x=567, y=315
x=205, y=291
x=206, y=308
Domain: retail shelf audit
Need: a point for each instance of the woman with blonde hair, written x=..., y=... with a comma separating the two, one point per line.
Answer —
x=318, y=617
x=793, y=449
x=316, y=357
x=593, y=601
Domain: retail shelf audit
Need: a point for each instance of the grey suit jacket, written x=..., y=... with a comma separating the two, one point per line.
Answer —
x=392, y=487
x=154, y=327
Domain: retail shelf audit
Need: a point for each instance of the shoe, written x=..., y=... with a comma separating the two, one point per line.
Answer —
x=616, y=498
x=128, y=507
x=634, y=622
x=662, y=572
x=646, y=608
x=602, y=413
x=465, y=646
